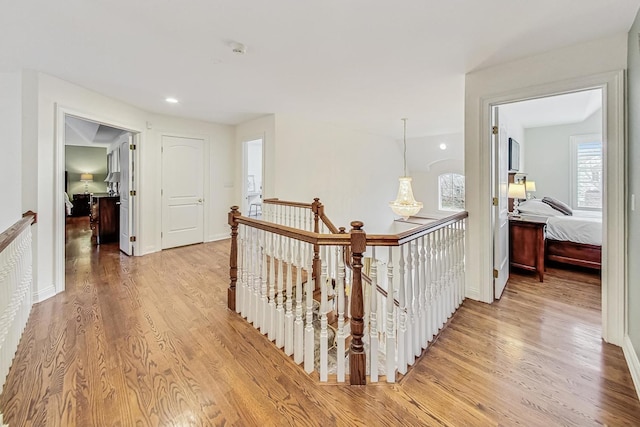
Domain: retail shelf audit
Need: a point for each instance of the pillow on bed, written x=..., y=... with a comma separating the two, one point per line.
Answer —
x=558, y=205
x=537, y=207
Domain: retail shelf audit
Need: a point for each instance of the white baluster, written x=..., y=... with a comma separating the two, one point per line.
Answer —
x=390, y=335
x=264, y=291
x=251, y=275
x=309, y=342
x=255, y=303
x=402, y=327
x=409, y=304
x=373, y=320
x=433, y=306
x=288, y=315
x=273, y=314
x=417, y=298
x=280, y=296
x=340, y=334
x=240, y=266
x=298, y=343
x=324, y=335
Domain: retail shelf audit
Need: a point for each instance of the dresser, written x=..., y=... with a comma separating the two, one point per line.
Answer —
x=80, y=205
x=526, y=243
x=105, y=218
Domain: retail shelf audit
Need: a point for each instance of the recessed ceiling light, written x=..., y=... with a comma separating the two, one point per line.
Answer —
x=171, y=100
x=443, y=146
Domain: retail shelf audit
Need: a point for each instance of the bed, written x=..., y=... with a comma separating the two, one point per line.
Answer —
x=574, y=239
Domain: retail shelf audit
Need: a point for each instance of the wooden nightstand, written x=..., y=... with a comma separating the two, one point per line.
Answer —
x=526, y=243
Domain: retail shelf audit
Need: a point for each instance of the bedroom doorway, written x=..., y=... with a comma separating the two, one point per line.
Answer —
x=94, y=164
x=548, y=148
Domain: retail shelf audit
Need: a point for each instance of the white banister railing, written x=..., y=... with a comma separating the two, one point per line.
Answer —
x=295, y=287
x=16, y=284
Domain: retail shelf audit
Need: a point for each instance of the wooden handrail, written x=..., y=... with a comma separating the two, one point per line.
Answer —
x=276, y=201
x=11, y=233
x=414, y=233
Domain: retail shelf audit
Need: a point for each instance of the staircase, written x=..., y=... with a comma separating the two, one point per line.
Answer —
x=300, y=281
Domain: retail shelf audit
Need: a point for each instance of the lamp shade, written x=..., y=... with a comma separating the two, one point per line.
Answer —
x=531, y=185
x=86, y=177
x=405, y=204
x=517, y=191
x=114, y=177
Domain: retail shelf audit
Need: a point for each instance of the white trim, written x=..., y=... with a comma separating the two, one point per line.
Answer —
x=613, y=255
x=631, y=356
x=220, y=236
x=58, y=170
x=43, y=294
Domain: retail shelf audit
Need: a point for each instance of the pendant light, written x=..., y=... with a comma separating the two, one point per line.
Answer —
x=405, y=205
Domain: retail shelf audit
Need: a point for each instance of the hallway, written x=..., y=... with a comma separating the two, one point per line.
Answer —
x=149, y=341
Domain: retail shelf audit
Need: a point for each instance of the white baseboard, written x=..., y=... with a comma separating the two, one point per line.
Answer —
x=216, y=237
x=473, y=294
x=633, y=362
x=43, y=294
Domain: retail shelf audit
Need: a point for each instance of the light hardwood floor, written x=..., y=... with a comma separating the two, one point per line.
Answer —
x=149, y=341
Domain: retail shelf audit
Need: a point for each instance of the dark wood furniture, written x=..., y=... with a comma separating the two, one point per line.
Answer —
x=579, y=254
x=105, y=218
x=80, y=205
x=527, y=243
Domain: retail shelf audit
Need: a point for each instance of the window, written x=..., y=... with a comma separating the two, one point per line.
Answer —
x=586, y=172
x=451, y=192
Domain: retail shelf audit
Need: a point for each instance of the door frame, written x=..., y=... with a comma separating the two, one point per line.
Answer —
x=245, y=166
x=59, y=167
x=614, y=204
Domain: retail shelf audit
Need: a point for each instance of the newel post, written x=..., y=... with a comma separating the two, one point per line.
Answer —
x=233, y=258
x=357, y=356
x=318, y=210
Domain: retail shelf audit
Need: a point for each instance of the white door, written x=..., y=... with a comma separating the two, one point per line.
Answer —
x=182, y=191
x=126, y=200
x=252, y=166
x=501, y=211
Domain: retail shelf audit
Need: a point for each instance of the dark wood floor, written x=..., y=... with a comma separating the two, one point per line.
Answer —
x=149, y=341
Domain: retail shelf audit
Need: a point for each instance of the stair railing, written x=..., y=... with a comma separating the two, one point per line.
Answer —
x=16, y=283
x=276, y=270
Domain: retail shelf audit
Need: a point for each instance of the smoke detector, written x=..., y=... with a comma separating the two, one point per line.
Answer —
x=238, y=48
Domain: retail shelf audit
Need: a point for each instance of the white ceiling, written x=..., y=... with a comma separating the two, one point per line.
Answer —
x=366, y=63
x=82, y=132
x=554, y=110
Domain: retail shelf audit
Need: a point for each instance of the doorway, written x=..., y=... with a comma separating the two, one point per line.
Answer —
x=88, y=182
x=613, y=217
x=253, y=176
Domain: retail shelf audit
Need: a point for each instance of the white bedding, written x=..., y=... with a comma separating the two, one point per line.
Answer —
x=582, y=227
x=585, y=229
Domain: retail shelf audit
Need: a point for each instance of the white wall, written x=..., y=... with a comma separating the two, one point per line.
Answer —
x=41, y=95
x=548, y=159
x=10, y=144
x=549, y=69
x=633, y=238
x=426, y=162
x=355, y=174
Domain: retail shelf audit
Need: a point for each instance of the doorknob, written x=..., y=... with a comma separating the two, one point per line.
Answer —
x=199, y=200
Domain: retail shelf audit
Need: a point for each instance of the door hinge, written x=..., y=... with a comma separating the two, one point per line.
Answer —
x=161, y=234
x=132, y=146
x=132, y=192
x=495, y=201
x=132, y=238
x=495, y=273
x=494, y=130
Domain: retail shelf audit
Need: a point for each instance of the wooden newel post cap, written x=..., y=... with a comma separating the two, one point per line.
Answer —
x=357, y=225
x=233, y=214
x=342, y=230
x=316, y=199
